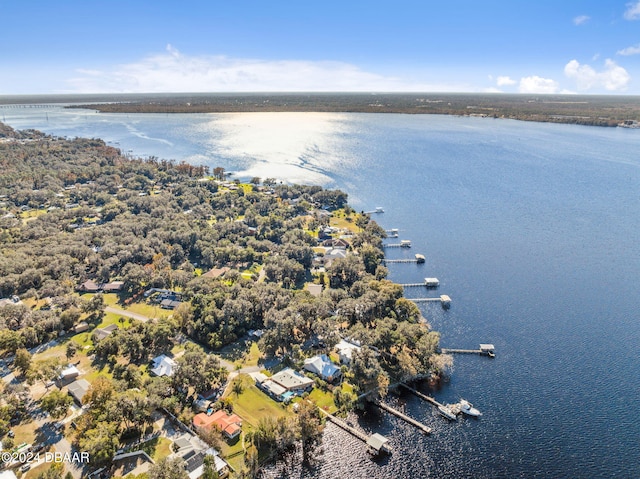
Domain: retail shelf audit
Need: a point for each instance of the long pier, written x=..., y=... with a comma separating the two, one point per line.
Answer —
x=340, y=423
x=393, y=261
x=423, y=427
x=443, y=299
x=421, y=396
x=485, y=350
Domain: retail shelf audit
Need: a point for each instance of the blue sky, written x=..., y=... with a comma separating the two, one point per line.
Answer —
x=73, y=46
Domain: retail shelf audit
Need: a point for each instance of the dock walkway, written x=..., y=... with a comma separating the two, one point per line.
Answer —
x=421, y=396
x=340, y=423
x=423, y=427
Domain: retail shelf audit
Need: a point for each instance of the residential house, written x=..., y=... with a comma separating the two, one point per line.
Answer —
x=69, y=373
x=81, y=327
x=323, y=367
x=101, y=333
x=216, y=272
x=286, y=384
x=78, y=390
x=194, y=464
x=335, y=243
x=345, y=350
x=163, y=365
x=314, y=289
x=169, y=303
x=229, y=424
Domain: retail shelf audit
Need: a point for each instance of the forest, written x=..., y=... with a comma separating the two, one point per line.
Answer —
x=73, y=210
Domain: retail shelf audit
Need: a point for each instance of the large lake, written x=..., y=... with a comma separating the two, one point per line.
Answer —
x=533, y=230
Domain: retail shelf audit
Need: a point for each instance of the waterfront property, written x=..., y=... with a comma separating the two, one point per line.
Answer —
x=323, y=367
x=229, y=424
x=345, y=350
x=284, y=385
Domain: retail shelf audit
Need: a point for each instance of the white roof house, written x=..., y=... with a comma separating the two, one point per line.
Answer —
x=292, y=380
x=69, y=372
x=345, y=350
x=323, y=367
x=163, y=365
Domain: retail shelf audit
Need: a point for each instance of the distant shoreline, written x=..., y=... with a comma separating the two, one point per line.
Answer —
x=568, y=109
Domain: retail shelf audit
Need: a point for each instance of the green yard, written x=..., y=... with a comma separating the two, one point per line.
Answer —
x=252, y=404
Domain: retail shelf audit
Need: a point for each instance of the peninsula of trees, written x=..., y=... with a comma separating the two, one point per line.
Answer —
x=577, y=109
x=88, y=235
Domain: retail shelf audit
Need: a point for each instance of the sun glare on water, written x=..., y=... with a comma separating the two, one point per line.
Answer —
x=294, y=147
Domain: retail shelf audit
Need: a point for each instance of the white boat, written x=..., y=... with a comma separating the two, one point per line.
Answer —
x=467, y=408
x=448, y=413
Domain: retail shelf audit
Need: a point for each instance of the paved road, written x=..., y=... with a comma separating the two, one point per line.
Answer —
x=55, y=439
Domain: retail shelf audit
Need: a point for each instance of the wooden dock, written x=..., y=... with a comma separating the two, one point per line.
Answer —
x=485, y=350
x=444, y=299
x=421, y=396
x=423, y=427
x=419, y=259
x=343, y=425
x=430, y=283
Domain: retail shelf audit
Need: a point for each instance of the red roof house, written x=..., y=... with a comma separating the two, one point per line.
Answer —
x=229, y=424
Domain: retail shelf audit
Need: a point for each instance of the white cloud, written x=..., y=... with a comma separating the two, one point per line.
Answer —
x=633, y=11
x=632, y=50
x=581, y=19
x=505, y=81
x=536, y=84
x=612, y=78
x=173, y=71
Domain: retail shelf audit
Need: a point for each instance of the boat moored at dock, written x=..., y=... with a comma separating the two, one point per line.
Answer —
x=467, y=408
x=447, y=412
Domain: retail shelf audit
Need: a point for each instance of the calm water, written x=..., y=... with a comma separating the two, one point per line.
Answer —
x=532, y=229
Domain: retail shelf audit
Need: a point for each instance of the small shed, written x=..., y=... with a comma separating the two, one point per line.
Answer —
x=431, y=282
x=377, y=444
x=488, y=349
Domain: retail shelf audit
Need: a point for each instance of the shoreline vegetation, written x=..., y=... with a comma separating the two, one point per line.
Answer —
x=571, y=109
x=112, y=266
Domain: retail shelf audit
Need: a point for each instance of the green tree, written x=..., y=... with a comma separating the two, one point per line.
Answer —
x=168, y=469
x=56, y=403
x=367, y=374
x=209, y=468
x=101, y=442
x=310, y=428
x=71, y=349
x=22, y=361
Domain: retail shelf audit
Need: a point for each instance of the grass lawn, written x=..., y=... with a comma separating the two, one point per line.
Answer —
x=25, y=433
x=323, y=399
x=158, y=448
x=233, y=453
x=252, y=404
x=339, y=220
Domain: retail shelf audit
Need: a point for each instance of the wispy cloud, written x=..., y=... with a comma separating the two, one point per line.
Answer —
x=632, y=50
x=612, y=78
x=581, y=19
x=633, y=11
x=173, y=71
x=536, y=84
